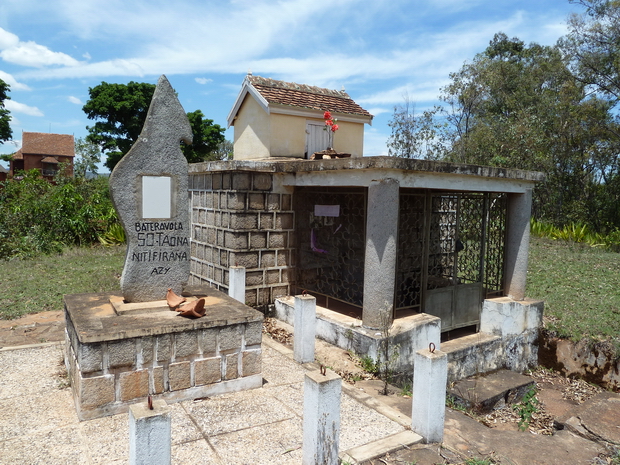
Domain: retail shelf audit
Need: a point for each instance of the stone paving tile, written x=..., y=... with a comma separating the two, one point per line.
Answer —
x=291, y=395
x=36, y=414
x=232, y=412
x=53, y=447
x=195, y=453
x=279, y=443
x=107, y=438
x=28, y=375
x=182, y=427
x=360, y=425
x=284, y=371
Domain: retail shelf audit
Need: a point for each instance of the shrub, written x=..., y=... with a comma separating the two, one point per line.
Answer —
x=37, y=217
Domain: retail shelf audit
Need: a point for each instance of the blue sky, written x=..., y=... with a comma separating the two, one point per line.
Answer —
x=52, y=52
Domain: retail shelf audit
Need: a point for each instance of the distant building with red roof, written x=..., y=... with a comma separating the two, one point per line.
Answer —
x=44, y=152
x=284, y=119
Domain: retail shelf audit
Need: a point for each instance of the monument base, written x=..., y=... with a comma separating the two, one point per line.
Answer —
x=118, y=359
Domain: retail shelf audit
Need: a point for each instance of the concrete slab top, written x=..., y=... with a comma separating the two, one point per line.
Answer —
x=95, y=320
x=280, y=165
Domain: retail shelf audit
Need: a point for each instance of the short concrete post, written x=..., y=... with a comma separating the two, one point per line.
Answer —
x=149, y=434
x=305, y=328
x=429, y=394
x=236, y=283
x=321, y=418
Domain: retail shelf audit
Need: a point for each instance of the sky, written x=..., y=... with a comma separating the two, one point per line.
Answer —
x=52, y=52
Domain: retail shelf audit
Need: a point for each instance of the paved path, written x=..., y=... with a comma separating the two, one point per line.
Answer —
x=38, y=423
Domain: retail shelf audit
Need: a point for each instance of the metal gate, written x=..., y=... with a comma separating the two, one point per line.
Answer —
x=451, y=254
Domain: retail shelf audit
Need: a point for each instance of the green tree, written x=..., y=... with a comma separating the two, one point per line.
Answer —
x=207, y=138
x=225, y=150
x=5, y=117
x=87, y=157
x=120, y=111
x=593, y=43
x=519, y=106
x=415, y=135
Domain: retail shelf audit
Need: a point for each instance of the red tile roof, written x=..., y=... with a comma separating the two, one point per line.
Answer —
x=18, y=155
x=39, y=143
x=305, y=96
x=49, y=160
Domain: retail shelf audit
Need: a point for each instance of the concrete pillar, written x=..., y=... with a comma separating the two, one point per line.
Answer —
x=321, y=418
x=236, y=283
x=429, y=394
x=517, y=243
x=149, y=434
x=381, y=250
x=305, y=328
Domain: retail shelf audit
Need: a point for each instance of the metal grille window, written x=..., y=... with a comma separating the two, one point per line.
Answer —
x=330, y=228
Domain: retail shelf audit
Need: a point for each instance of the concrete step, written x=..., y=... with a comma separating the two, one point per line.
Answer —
x=491, y=391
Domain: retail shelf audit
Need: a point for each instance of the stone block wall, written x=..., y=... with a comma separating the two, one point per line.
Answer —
x=107, y=376
x=239, y=218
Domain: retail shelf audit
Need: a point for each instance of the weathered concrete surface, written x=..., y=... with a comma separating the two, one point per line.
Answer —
x=492, y=391
x=597, y=419
x=149, y=190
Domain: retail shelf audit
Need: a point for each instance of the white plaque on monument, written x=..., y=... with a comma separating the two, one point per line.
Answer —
x=156, y=197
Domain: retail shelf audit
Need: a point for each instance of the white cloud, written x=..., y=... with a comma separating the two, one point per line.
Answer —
x=11, y=81
x=7, y=39
x=75, y=100
x=35, y=55
x=16, y=107
x=201, y=80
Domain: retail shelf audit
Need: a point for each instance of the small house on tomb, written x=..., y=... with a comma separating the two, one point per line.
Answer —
x=410, y=252
x=274, y=119
x=46, y=153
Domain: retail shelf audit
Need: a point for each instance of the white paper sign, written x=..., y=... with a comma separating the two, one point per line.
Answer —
x=156, y=196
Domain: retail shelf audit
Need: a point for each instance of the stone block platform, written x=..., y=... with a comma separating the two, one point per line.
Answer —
x=115, y=360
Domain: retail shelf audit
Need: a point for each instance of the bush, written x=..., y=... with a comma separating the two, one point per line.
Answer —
x=37, y=217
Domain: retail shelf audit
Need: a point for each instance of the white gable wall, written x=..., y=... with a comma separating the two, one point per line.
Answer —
x=252, y=131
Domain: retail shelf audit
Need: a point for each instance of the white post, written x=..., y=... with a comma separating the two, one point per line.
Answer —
x=149, y=434
x=305, y=328
x=236, y=283
x=321, y=418
x=429, y=394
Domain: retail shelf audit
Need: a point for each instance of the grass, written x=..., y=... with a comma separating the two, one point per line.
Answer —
x=31, y=286
x=580, y=286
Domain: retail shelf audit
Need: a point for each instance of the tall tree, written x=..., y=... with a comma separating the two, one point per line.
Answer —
x=207, y=138
x=87, y=157
x=593, y=43
x=5, y=117
x=120, y=111
x=414, y=135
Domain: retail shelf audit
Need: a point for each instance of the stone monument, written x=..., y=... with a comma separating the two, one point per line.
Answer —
x=149, y=190
x=121, y=348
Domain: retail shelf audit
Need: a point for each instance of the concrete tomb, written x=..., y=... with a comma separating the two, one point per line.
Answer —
x=121, y=348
